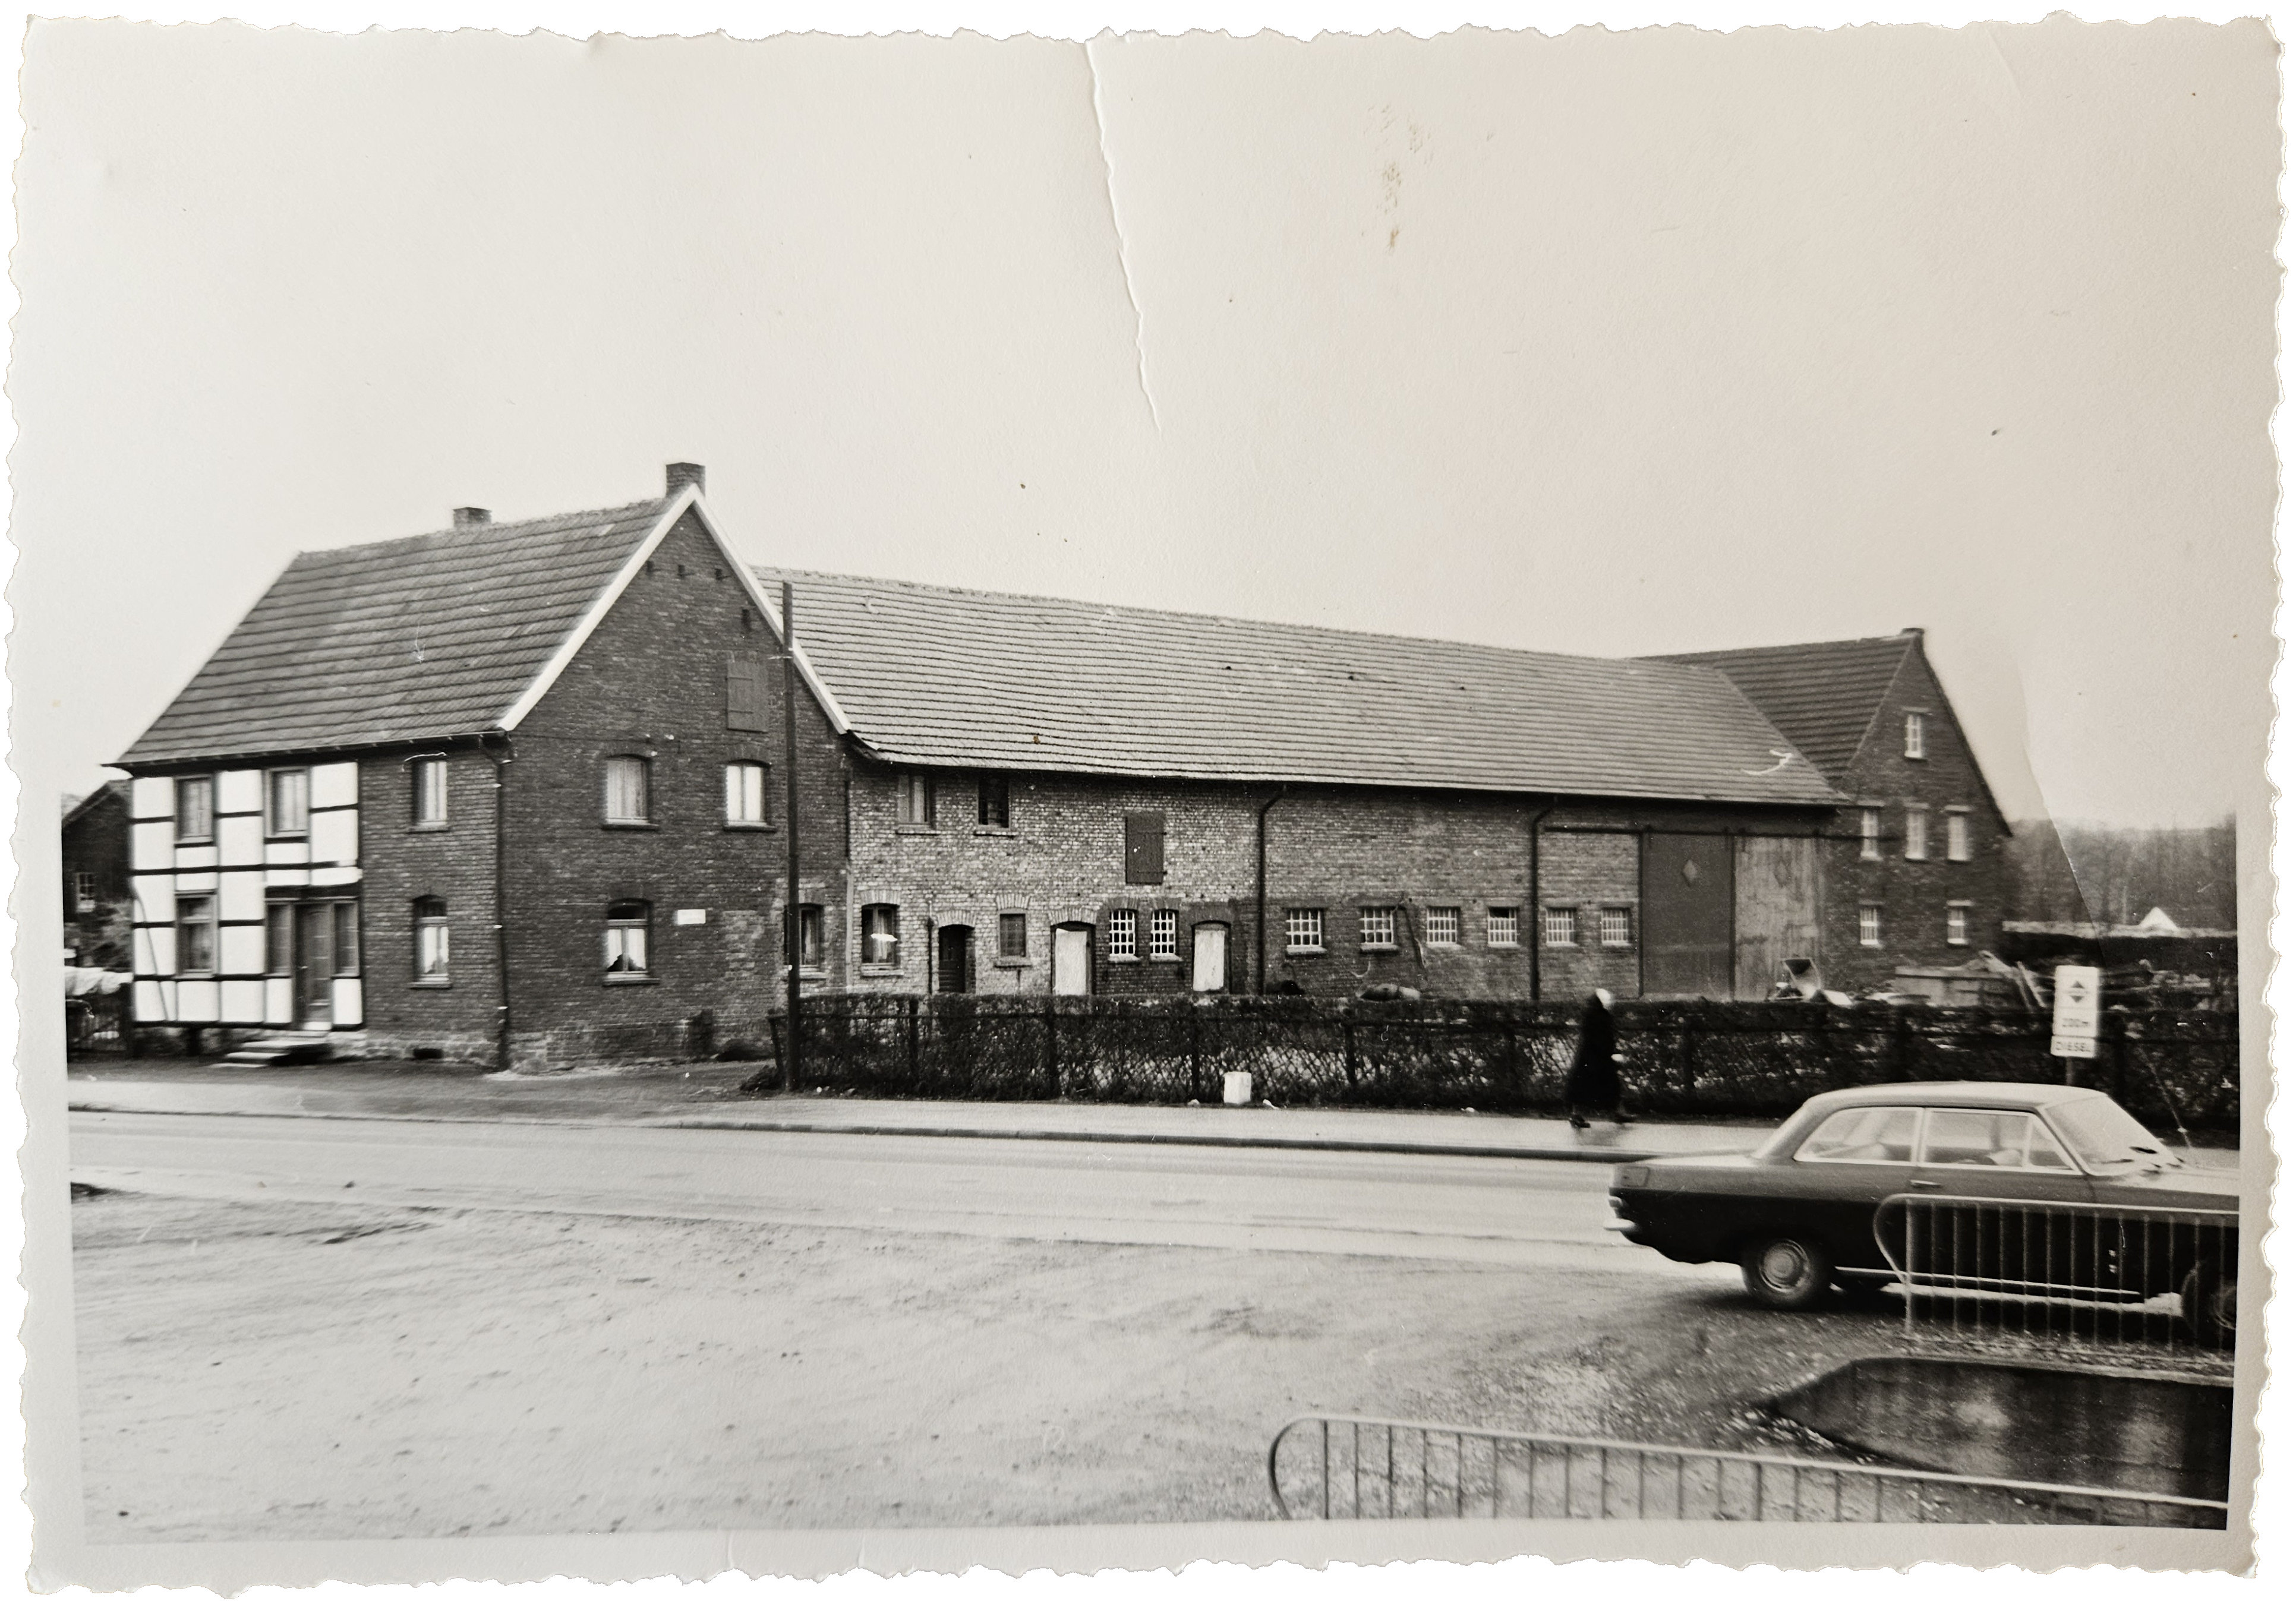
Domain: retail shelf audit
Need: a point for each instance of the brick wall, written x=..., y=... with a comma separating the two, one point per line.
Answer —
x=455, y=863
x=1913, y=896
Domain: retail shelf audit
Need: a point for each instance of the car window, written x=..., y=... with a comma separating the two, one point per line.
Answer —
x=2106, y=1138
x=1976, y=1138
x=1863, y=1134
x=2043, y=1151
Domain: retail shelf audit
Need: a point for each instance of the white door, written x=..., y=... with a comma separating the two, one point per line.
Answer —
x=1071, y=961
x=1211, y=956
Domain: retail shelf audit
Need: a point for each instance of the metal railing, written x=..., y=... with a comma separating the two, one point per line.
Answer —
x=1346, y=1466
x=2134, y=1276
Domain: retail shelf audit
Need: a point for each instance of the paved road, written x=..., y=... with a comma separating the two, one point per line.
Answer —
x=1426, y=1207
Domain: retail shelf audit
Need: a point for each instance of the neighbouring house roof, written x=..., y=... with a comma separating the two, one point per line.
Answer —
x=115, y=789
x=414, y=639
x=956, y=677
x=1823, y=696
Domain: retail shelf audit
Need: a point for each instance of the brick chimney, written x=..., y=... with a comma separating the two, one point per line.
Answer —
x=678, y=474
x=472, y=516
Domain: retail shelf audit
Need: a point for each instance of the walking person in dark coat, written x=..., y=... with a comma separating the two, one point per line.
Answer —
x=1593, y=1085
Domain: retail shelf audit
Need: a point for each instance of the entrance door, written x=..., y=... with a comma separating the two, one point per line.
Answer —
x=1071, y=959
x=1686, y=905
x=953, y=959
x=1210, y=970
x=315, y=964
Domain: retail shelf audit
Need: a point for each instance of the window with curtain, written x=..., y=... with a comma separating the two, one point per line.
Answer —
x=628, y=800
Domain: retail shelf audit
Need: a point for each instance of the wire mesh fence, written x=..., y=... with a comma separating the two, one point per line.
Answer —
x=1681, y=1058
x=1340, y=1467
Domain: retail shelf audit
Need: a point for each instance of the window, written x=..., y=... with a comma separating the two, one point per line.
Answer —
x=1869, y=926
x=995, y=801
x=1012, y=936
x=1917, y=834
x=1442, y=924
x=880, y=936
x=196, y=934
x=430, y=776
x=745, y=692
x=1864, y=1134
x=1954, y=1138
x=1376, y=927
x=83, y=892
x=913, y=801
x=628, y=924
x=1164, y=935
x=1123, y=934
x=279, y=939
x=1562, y=925
x=195, y=810
x=810, y=943
x=745, y=794
x=1618, y=926
x=1956, y=837
x=1502, y=927
x=288, y=800
x=434, y=951
x=1144, y=848
x=1956, y=924
x=1869, y=833
x=1915, y=736
x=346, y=938
x=1303, y=928
x=628, y=790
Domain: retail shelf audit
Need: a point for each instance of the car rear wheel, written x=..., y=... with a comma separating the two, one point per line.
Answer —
x=2212, y=1302
x=1786, y=1272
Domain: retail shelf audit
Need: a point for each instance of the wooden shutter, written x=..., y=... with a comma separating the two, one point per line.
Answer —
x=745, y=694
x=1144, y=848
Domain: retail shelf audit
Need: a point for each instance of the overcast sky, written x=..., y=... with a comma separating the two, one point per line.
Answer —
x=1609, y=344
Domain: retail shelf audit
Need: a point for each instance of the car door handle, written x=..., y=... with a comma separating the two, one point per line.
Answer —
x=1924, y=1184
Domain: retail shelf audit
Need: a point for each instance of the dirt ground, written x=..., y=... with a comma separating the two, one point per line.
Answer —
x=316, y=1371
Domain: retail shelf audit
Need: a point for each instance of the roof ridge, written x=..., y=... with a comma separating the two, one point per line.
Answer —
x=477, y=530
x=1906, y=638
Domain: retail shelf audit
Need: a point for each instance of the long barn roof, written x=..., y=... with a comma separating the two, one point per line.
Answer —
x=1823, y=696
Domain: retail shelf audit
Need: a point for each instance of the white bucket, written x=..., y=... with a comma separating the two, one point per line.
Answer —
x=1238, y=1089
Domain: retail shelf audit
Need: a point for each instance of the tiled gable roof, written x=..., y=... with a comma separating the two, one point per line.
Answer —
x=958, y=677
x=1822, y=697
x=404, y=640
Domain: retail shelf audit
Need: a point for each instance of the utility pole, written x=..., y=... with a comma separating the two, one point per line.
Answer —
x=794, y=937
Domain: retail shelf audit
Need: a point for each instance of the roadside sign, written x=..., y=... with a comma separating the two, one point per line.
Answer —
x=2072, y=1029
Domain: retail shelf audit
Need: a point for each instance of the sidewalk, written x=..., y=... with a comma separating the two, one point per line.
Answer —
x=706, y=1097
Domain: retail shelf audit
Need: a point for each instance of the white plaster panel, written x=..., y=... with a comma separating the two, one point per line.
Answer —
x=139, y=952
x=287, y=853
x=163, y=950
x=198, y=1001
x=350, y=1001
x=239, y=950
x=243, y=1001
x=333, y=878
x=335, y=837
x=154, y=898
x=279, y=1001
x=151, y=798
x=150, y=1001
x=240, y=839
x=241, y=896
x=196, y=884
x=240, y=790
x=195, y=856
x=288, y=878
x=335, y=784
x=152, y=846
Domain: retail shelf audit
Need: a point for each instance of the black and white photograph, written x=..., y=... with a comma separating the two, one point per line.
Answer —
x=803, y=802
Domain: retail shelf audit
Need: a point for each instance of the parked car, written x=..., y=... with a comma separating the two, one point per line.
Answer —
x=1992, y=1168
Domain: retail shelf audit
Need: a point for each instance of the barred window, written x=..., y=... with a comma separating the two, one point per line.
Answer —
x=1164, y=934
x=1956, y=837
x=1618, y=926
x=1869, y=833
x=1503, y=926
x=1303, y=928
x=1376, y=930
x=625, y=789
x=1562, y=925
x=1869, y=925
x=1123, y=934
x=1956, y=924
x=1012, y=936
x=1917, y=834
x=1442, y=924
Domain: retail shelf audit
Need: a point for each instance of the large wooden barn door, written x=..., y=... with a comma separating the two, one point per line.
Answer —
x=1686, y=910
x=1777, y=908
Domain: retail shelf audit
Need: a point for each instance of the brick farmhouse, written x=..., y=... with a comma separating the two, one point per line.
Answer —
x=518, y=793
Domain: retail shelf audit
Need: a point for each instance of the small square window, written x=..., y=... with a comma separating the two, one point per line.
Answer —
x=1442, y=924
x=83, y=892
x=1916, y=737
x=1503, y=927
x=1956, y=837
x=288, y=800
x=1123, y=934
x=1012, y=936
x=195, y=810
x=629, y=799
x=1303, y=928
x=996, y=810
x=1956, y=924
x=196, y=934
x=1917, y=834
x=1164, y=935
x=628, y=925
x=1869, y=833
x=1869, y=926
x=745, y=794
x=1618, y=926
x=1376, y=930
x=880, y=936
x=430, y=782
x=914, y=801
x=1562, y=925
